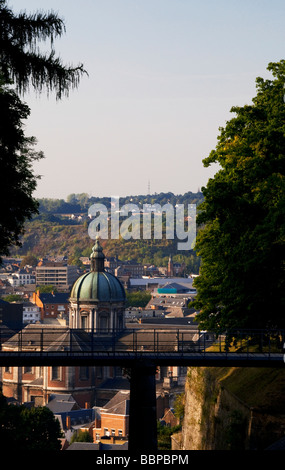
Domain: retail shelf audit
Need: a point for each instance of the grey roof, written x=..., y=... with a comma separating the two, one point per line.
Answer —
x=104, y=446
x=175, y=286
x=31, y=336
x=84, y=446
x=99, y=446
x=119, y=404
x=55, y=338
x=62, y=403
x=56, y=298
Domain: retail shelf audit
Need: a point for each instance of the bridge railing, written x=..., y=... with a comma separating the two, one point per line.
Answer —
x=156, y=340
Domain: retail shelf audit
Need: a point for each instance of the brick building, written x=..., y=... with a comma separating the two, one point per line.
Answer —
x=37, y=384
x=97, y=300
x=52, y=305
x=113, y=418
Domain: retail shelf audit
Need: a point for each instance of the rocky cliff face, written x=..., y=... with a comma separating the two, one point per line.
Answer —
x=217, y=419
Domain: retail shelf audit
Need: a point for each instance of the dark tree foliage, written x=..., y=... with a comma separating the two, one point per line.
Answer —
x=22, y=65
x=241, y=282
x=17, y=178
x=24, y=429
x=21, y=60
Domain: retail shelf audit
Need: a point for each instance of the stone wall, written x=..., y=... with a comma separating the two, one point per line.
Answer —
x=216, y=419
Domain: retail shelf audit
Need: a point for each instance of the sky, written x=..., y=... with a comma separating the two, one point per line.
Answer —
x=163, y=76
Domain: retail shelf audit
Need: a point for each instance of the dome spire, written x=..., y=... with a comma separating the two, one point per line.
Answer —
x=97, y=257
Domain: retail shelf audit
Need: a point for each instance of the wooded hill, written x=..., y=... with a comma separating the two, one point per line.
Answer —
x=54, y=233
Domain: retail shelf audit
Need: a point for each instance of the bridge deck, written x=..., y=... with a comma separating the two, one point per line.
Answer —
x=45, y=345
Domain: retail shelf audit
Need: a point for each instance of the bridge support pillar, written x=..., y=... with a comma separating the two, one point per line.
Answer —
x=142, y=419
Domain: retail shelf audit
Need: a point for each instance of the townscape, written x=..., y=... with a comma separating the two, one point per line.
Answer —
x=142, y=227
x=93, y=400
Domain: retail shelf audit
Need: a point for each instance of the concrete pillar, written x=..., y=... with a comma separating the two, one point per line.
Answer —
x=142, y=419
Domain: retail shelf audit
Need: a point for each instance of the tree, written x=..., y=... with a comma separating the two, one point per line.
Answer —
x=21, y=61
x=81, y=436
x=138, y=299
x=23, y=65
x=46, y=289
x=241, y=241
x=28, y=429
x=29, y=260
x=17, y=178
x=13, y=298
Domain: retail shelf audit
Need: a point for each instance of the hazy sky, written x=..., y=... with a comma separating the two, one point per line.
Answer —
x=163, y=76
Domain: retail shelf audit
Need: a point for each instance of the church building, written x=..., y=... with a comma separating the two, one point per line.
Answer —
x=97, y=303
x=97, y=299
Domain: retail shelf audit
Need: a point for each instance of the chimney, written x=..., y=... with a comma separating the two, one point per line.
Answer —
x=68, y=422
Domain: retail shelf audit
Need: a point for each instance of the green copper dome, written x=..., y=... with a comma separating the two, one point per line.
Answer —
x=98, y=284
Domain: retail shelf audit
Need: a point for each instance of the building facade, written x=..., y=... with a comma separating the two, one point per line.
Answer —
x=52, y=305
x=21, y=278
x=97, y=300
x=57, y=275
x=31, y=313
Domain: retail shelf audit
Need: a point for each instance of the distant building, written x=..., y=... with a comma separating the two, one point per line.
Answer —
x=175, y=269
x=57, y=275
x=170, y=271
x=97, y=298
x=97, y=301
x=31, y=313
x=113, y=419
x=21, y=278
x=52, y=305
x=35, y=383
x=130, y=268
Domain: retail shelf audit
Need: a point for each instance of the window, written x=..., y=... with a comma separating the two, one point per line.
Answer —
x=55, y=373
x=113, y=432
x=84, y=373
x=84, y=322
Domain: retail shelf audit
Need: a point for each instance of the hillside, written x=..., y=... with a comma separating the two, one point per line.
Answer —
x=54, y=233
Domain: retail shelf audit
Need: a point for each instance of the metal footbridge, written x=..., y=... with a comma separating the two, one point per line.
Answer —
x=187, y=346
x=141, y=349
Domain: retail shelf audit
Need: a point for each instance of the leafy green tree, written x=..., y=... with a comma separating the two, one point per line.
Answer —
x=241, y=241
x=46, y=289
x=138, y=299
x=13, y=298
x=81, y=436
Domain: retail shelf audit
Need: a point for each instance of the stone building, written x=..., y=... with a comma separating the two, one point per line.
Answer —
x=97, y=299
x=96, y=302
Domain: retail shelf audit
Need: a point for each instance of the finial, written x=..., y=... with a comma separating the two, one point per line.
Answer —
x=97, y=257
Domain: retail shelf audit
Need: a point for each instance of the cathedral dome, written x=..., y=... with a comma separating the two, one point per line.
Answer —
x=98, y=284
